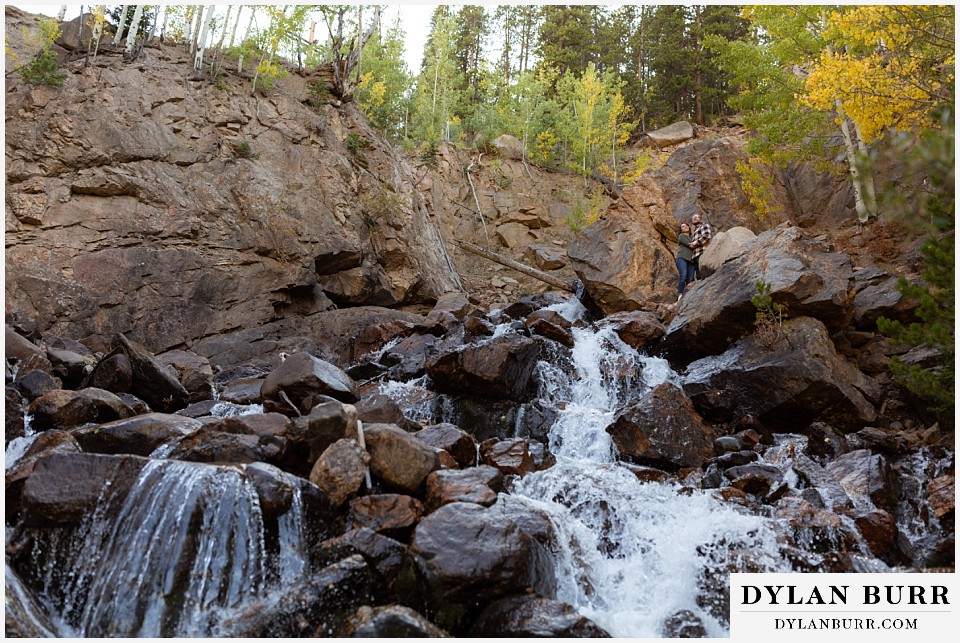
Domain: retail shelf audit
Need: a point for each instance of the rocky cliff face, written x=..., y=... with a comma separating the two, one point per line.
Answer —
x=139, y=201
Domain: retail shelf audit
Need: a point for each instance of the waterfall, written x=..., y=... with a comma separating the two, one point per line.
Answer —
x=172, y=557
x=630, y=554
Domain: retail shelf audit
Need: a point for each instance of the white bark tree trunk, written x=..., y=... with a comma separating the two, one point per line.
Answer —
x=122, y=25
x=132, y=32
x=226, y=25
x=233, y=34
x=202, y=41
x=62, y=13
x=863, y=210
x=196, y=30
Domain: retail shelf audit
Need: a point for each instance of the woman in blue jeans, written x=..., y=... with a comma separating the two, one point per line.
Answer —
x=684, y=259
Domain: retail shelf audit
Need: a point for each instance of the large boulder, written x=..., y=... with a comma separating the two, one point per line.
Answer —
x=301, y=379
x=64, y=487
x=662, y=429
x=724, y=246
x=671, y=134
x=61, y=409
x=805, y=277
x=391, y=622
x=340, y=470
x=398, y=458
x=467, y=556
x=499, y=368
x=534, y=617
x=508, y=146
x=798, y=380
x=138, y=435
x=153, y=382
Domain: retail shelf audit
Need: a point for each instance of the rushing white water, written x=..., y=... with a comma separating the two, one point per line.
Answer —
x=631, y=554
x=181, y=549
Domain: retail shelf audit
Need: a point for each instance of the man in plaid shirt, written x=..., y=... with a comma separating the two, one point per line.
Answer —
x=701, y=239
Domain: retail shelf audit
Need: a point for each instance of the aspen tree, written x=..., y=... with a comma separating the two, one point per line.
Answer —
x=202, y=42
x=122, y=24
x=132, y=31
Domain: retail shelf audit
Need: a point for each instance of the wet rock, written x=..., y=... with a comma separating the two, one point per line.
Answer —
x=340, y=470
x=499, y=368
x=941, y=498
x=13, y=416
x=805, y=277
x=114, y=373
x=525, y=306
x=213, y=446
x=453, y=440
x=821, y=488
x=736, y=459
x=153, y=382
x=801, y=379
x=310, y=608
x=273, y=487
x=754, y=479
x=726, y=444
x=552, y=325
x=879, y=531
x=467, y=556
x=381, y=409
x=44, y=444
x=479, y=485
x=684, y=625
x=534, y=617
x=194, y=371
x=390, y=514
x=408, y=358
x=260, y=424
x=69, y=366
x=139, y=435
x=34, y=384
x=663, y=430
x=311, y=435
x=398, y=458
x=303, y=378
x=23, y=615
x=510, y=456
x=243, y=390
x=825, y=442
x=475, y=326
x=64, y=487
x=636, y=329
x=390, y=621
x=61, y=409
x=866, y=477
x=890, y=443
x=384, y=553
x=815, y=530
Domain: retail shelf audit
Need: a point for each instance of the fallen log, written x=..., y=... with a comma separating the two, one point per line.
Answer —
x=519, y=267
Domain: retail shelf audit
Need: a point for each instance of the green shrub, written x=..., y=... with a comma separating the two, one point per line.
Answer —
x=243, y=150
x=770, y=316
x=43, y=70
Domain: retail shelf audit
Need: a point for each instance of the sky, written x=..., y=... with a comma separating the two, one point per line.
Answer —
x=415, y=19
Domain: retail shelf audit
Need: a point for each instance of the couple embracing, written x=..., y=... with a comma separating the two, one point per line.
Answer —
x=694, y=237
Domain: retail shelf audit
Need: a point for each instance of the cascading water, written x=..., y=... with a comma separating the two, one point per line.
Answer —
x=173, y=557
x=631, y=554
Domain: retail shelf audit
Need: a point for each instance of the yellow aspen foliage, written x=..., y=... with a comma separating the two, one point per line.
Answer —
x=887, y=66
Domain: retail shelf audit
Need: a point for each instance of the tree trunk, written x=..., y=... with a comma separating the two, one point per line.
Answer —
x=122, y=24
x=202, y=41
x=196, y=30
x=132, y=31
x=236, y=23
x=62, y=13
x=863, y=211
x=516, y=265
